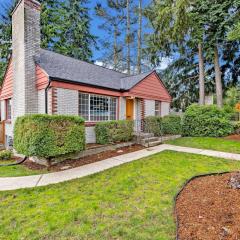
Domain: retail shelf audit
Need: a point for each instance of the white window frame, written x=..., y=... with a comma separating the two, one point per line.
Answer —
x=158, y=111
x=109, y=106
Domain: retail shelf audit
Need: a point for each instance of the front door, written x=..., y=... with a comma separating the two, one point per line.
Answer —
x=129, y=109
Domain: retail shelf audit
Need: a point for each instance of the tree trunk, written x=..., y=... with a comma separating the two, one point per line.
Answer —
x=218, y=78
x=139, y=57
x=115, y=52
x=128, y=39
x=201, y=75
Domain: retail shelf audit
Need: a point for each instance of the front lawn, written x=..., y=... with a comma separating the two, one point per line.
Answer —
x=218, y=144
x=16, y=171
x=130, y=202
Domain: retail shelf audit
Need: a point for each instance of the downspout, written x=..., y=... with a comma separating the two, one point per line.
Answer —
x=46, y=96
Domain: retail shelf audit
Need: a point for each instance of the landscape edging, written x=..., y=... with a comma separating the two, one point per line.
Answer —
x=182, y=188
x=85, y=153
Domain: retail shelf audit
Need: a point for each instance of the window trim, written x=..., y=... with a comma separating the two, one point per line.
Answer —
x=89, y=106
x=7, y=102
x=158, y=110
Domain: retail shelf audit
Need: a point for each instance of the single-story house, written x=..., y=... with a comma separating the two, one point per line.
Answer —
x=42, y=81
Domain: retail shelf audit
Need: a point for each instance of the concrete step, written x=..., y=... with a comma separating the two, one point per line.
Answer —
x=152, y=144
x=144, y=135
x=150, y=139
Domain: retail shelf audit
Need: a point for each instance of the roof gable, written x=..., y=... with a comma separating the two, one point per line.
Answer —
x=60, y=67
x=7, y=85
x=67, y=69
x=151, y=87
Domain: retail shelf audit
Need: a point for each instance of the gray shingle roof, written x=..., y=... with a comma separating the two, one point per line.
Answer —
x=65, y=68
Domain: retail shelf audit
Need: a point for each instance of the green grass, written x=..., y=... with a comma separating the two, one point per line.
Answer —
x=130, y=202
x=16, y=171
x=218, y=144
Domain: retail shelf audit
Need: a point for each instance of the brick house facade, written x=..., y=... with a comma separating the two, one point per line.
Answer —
x=40, y=81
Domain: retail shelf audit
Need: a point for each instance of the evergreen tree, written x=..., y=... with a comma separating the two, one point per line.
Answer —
x=201, y=23
x=235, y=33
x=65, y=28
x=113, y=17
x=76, y=40
x=139, y=54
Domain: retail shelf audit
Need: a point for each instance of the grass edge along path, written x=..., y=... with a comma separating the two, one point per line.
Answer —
x=210, y=143
x=132, y=201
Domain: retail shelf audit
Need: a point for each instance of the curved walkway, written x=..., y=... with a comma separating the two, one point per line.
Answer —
x=13, y=183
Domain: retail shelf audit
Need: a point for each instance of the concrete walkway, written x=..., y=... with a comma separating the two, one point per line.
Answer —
x=12, y=183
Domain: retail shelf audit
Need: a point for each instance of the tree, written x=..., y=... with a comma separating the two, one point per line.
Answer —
x=76, y=39
x=177, y=26
x=235, y=33
x=217, y=18
x=139, y=54
x=64, y=29
x=181, y=78
x=232, y=96
x=113, y=17
x=201, y=23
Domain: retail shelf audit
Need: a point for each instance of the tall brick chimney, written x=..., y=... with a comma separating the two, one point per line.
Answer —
x=25, y=45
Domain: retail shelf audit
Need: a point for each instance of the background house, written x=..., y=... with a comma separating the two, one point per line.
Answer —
x=40, y=81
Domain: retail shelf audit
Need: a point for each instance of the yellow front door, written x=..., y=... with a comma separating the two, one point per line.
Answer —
x=129, y=109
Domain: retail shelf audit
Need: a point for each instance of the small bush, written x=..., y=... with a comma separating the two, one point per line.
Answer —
x=207, y=121
x=49, y=136
x=114, y=131
x=236, y=126
x=153, y=125
x=6, y=155
x=171, y=124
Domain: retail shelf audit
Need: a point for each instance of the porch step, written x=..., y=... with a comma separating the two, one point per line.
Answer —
x=2, y=147
x=148, y=140
x=152, y=144
x=144, y=135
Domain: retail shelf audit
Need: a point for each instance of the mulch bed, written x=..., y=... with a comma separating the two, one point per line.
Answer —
x=209, y=209
x=86, y=160
x=235, y=137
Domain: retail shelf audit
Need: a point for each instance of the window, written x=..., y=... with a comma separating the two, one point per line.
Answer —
x=97, y=108
x=8, y=109
x=157, y=108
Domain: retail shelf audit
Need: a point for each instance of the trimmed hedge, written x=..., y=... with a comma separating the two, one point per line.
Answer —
x=153, y=124
x=172, y=124
x=49, y=135
x=206, y=121
x=114, y=131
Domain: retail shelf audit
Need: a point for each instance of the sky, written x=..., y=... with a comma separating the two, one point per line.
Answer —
x=98, y=53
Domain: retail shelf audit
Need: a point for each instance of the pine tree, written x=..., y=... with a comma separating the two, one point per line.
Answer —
x=76, y=40
x=201, y=23
x=176, y=26
x=139, y=54
x=65, y=28
x=114, y=17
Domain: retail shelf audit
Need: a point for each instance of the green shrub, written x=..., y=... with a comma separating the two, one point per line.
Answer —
x=171, y=124
x=6, y=155
x=209, y=121
x=114, y=131
x=153, y=124
x=236, y=126
x=49, y=135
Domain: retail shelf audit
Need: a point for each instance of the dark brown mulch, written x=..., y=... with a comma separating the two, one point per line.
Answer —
x=209, y=209
x=234, y=137
x=85, y=160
